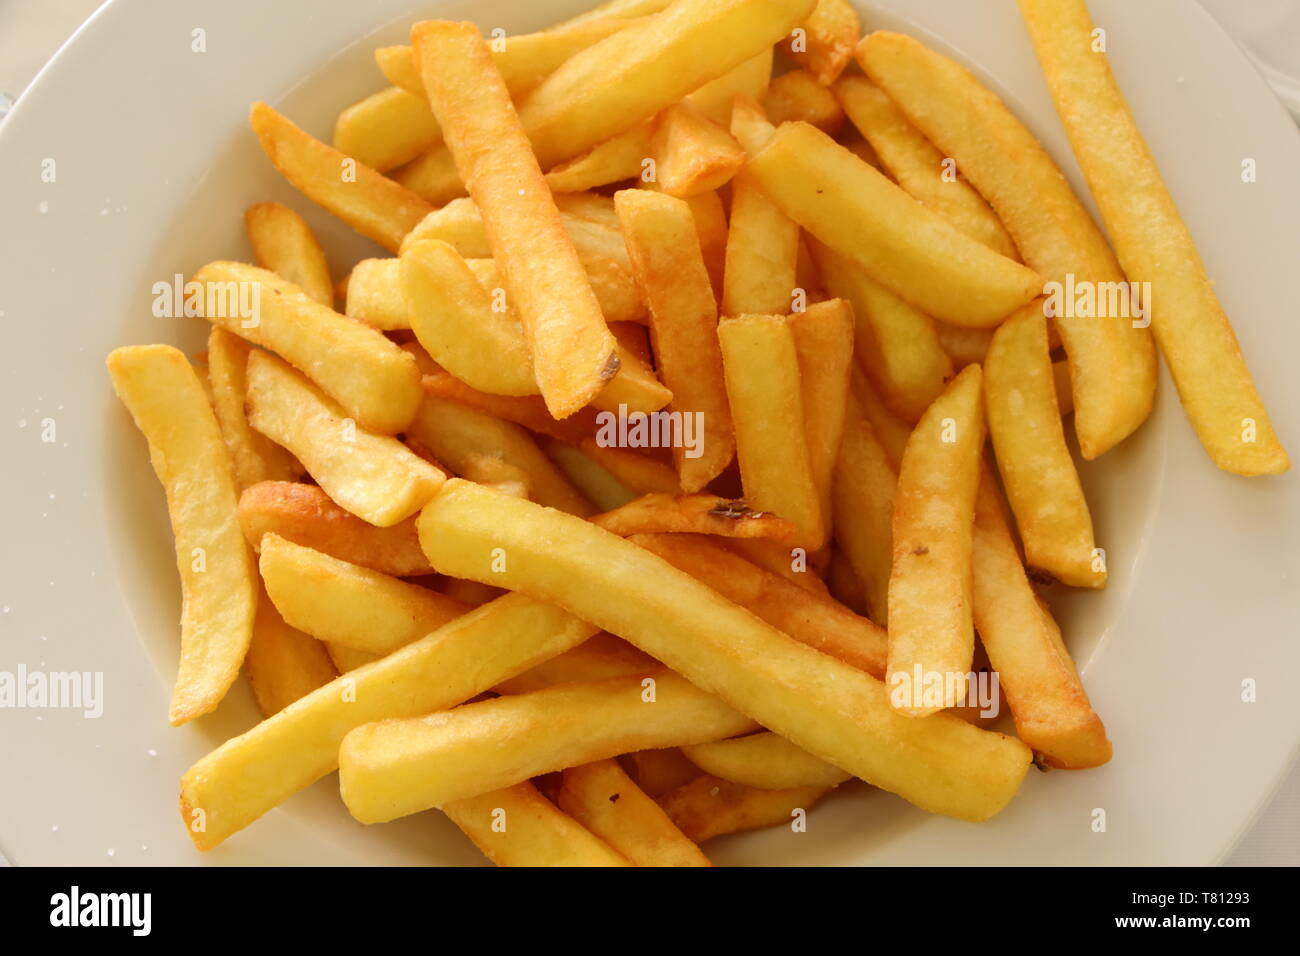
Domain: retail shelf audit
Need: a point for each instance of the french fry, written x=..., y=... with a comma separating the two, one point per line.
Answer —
x=432, y=176
x=931, y=641
x=283, y=663
x=393, y=768
x=374, y=294
x=692, y=154
x=387, y=129
x=218, y=583
x=639, y=473
x=572, y=349
x=750, y=79
x=528, y=411
x=604, y=799
x=597, y=483
x=915, y=164
x=364, y=372
x=616, y=159
x=762, y=374
x=283, y=243
x=1061, y=378
x=498, y=473
x=305, y=515
x=904, y=246
x=1153, y=244
x=829, y=37
x=711, y=227
x=710, y=806
x=827, y=707
x=796, y=96
x=823, y=342
x=764, y=761
x=598, y=658
x=613, y=10
x=347, y=604
x=1024, y=645
x=252, y=773
x=628, y=77
x=750, y=124
x=891, y=431
x=658, y=771
x=536, y=832
x=965, y=346
x=762, y=252
x=1112, y=364
x=254, y=456
x=668, y=263
x=373, y=476
x=1037, y=471
x=696, y=514
x=373, y=205
x=843, y=584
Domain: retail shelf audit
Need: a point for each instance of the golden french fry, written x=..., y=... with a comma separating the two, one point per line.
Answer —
x=1061, y=379
x=797, y=96
x=762, y=252
x=283, y=663
x=966, y=346
x=373, y=205
x=616, y=159
x=374, y=294
x=904, y=246
x=363, y=371
x=669, y=267
x=254, y=456
x=1112, y=364
x=827, y=707
x=387, y=129
x=432, y=176
x=394, y=768
x=284, y=244
x=527, y=410
x=762, y=373
x=764, y=761
x=697, y=514
x=572, y=349
x=710, y=806
x=613, y=10
x=598, y=658
x=256, y=771
x=640, y=473
x=604, y=799
x=750, y=79
x=1154, y=244
x=691, y=153
x=596, y=482
x=750, y=124
x=658, y=771
x=891, y=431
x=218, y=583
x=373, y=476
x=931, y=641
x=829, y=36
x=1042, y=484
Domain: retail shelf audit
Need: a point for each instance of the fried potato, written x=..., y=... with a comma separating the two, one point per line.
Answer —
x=966, y=346
x=796, y=96
x=432, y=176
x=218, y=583
x=764, y=761
x=394, y=768
x=613, y=10
x=710, y=806
x=827, y=707
x=750, y=79
x=904, y=246
x=374, y=294
x=253, y=456
x=283, y=663
x=364, y=372
x=373, y=476
x=373, y=205
x=658, y=771
x=750, y=124
x=305, y=515
x=823, y=341
x=604, y=799
x=762, y=252
x=698, y=514
x=617, y=159
x=1154, y=245
x=387, y=129
x=1112, y=364
x=829, y=36
x=283, y=243
x=1037, y=470
x=596, y=659
x=930, y=630
x=691, y=153
x=572, y=350
x=596, y=482
x=891, y=431
x=762, y=374
x=527, y=411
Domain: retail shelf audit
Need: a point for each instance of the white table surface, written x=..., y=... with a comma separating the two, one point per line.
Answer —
x=1268, y=30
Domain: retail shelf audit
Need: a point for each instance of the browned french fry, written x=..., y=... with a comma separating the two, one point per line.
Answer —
x=658, y=771
x=891, y=431
x=788, y=563
x=710, y=806
x=796, y=96
x=711, y=226
x=387, y=129
x=528, y=411
x=597, y=483
x=284, y=244
x=283, y=663
x=640, y=473
x=254, y=456
x=827, y=41
x=696, y=514
x=691, y=153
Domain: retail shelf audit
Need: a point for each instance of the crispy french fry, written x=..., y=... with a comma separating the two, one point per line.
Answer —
x=762, y=252
x=604, y=799
x=527, y=411
x=796, y=96
x=658, y=771
x=498, y=473
x=697, y=514
x=373, y=476
x=387, y=129
x=373, y=205
x=823, y=341
x=616, y=159
x=1037, y=471
x=691, y=153
x=1153, y=244
x=750, y=79
x=283, y=663
x=669, y=267
x=432, y=176
x=931, y=641
x=711, y=227
x=829, y=36
x=596, y=659
x=394, y=768
x=762, y=374
x=256, y=771
x=254, y=456
x=640, y=473
x=827, y=707
x=750, y=124
x=283, y=243
x=597, y=483
x=764, y=761
x=1112, y=364
x=572, y=349
x=374, y=294
x=710, y=806
x=363, y=371
x=218, y=583
x=965, y=346
x=891, y=431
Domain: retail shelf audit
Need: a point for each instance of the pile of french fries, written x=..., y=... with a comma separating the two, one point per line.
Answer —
x=397, y=504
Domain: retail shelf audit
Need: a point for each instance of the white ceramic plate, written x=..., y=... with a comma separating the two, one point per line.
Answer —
x=154, y=166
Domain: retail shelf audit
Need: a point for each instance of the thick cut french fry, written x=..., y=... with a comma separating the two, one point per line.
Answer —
x=599, y=658
x=616, y=159
x=393, y=768
x=432, y=176
x=604, y=799
x=283, y=243
x=750, y=79
x=370, y=203
x=528, y=411
x=823, y=341
x=628, y=77
x=796, y=96
x=965, y=346
x=710, y=806
x=691, y=153
x=305, y=515
x=373, y=476
x=256, y=771
x=640, y=473
x=658, y=771
x=917, y=165
x=518, y=826
x=668, y=263
x=346, y=604
x=374, y=294
x=1037, y=471
x=904, y=246
x=572, y=349
x=697, y=514
x=931, y=641
x=254, y=456
x=828, y=38
x=1153, y=244
x=749, y=124
x=363, y=371
x=764, y=761
x=891, y=430
x=596, y=482
x=387, y=129
x=762, y=373
x=218, y=583
x=762, y=252
x=283, y=663
x=827, y=707
x=711, y=227
x=1112, y=364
